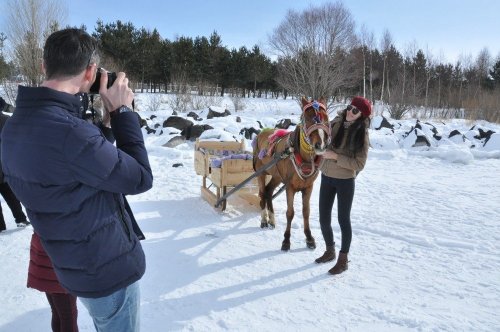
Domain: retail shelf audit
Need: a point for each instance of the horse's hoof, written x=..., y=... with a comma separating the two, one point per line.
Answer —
x=285, y=247
x=264, y=225
x=311, y=245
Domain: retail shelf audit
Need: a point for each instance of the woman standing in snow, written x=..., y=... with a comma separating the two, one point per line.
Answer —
x=344, y=158
x=41, y=276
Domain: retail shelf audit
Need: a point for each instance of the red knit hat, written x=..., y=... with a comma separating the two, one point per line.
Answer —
x=363, y=105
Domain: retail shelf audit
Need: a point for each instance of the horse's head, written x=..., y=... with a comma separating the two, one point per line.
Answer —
x=315, y=124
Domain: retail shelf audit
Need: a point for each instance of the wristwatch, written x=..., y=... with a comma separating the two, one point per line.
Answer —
x=120, y=110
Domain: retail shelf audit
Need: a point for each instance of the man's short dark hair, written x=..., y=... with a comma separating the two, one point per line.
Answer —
x=68, y=52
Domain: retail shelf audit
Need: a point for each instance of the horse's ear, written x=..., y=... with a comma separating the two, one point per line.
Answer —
x=322, y=100
x=304, y=101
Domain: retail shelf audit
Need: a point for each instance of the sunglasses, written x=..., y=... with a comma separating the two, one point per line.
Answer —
x=353, y=109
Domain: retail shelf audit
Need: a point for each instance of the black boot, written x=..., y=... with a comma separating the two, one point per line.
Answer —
x=23, y=223
x=2, y=222
x=328, y=256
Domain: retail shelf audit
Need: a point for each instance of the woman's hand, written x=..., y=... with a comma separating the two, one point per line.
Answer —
x=329, y=154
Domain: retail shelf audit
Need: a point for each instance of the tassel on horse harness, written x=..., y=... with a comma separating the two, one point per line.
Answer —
x=296, y=158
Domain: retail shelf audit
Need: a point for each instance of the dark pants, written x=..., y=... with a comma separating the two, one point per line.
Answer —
x=13, y=203
x=344, y=189
x=64, y=312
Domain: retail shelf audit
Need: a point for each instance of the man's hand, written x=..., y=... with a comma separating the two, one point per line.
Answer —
x=118, y=94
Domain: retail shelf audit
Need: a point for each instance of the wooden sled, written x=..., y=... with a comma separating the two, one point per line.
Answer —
x=215, y=180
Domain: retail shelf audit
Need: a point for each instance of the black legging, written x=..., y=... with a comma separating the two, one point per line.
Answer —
x=344, y=189
x=64, y=312
x=13, y=203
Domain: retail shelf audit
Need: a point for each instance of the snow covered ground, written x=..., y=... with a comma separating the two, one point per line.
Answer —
x=424, y=256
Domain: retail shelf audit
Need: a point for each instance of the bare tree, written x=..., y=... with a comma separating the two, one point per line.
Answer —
x=429, y=70
x=440, y=60
x=385, y=45
x=409, y=54
x=28, y=24
x=483, y=63
x=370, y=44
x=366, y=39
x=312, y=50
x=468, y=73
x=413, y=52
x=459, y=79
x=399, y=104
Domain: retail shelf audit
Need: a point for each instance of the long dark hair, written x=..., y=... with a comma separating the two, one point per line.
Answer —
x=356, y=134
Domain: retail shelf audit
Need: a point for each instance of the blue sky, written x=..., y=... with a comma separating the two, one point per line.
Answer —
x=447, y=27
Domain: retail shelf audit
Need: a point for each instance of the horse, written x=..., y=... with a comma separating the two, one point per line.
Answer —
x=298, y=156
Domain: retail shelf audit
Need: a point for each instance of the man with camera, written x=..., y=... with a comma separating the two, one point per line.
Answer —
x=72, y=181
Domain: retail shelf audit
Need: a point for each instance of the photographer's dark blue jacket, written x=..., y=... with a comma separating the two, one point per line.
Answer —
x=71, y=181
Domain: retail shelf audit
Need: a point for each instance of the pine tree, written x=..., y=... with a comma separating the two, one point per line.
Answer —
x=495, y=73
x=4, y=68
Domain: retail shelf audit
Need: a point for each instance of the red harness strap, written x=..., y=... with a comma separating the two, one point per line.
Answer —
x=303, y=169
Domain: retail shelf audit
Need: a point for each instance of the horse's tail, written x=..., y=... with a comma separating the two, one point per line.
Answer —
x=259, y=151
x=261, y=144
x=254, y=147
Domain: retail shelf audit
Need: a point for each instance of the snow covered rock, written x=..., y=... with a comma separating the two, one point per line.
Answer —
x=379, y=122
x=177, y=122
x=217, y=112
x=493, y=143
x=416, y=138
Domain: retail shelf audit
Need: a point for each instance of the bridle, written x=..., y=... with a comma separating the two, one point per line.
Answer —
x=301, y=140
x=320, y=121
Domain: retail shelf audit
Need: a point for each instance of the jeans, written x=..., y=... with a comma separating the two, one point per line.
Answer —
x=119, y=311
x=344, y=189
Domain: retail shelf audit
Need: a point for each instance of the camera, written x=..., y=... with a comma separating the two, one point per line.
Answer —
x=94, y=89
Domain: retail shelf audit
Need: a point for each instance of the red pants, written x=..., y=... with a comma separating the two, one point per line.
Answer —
x=64, y=312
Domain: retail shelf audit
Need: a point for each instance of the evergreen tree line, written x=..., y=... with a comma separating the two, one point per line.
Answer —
x=403, y=82
x=198, y=63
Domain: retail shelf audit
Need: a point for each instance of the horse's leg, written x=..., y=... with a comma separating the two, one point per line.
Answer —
x=271, y=186
x=261, y=180
x=290, y=194
x=306, y=199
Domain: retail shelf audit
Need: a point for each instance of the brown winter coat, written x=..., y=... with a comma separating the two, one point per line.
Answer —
x=345, y=167
x=41, y=275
